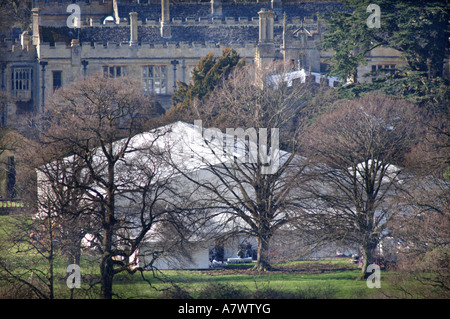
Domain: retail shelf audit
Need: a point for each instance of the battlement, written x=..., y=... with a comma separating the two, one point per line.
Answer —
x=224, y=21
x=94, y=12
x=210, y=21
x=226, y=31
x=92, y=4
x=55, y=12
x=12, y=49
x=99, y=53
x=125, y=45
x=207, y=2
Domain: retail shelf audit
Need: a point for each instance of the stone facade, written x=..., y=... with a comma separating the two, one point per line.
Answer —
x=159, y=41
x=19, y=78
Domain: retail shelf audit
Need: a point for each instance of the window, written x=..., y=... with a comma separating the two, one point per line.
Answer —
x=155, y=79
x=388, y=69
x=114, y=71
x=21, y=82
x=57, y=80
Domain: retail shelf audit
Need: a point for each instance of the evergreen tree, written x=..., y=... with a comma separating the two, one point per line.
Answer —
x=206, y=75
x=419, y=30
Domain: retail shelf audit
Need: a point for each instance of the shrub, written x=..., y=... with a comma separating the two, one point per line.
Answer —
x=310, y=292
x=228, y=291
x=223, y=291
x=176, y=292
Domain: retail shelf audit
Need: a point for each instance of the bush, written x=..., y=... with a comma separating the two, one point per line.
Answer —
x=270, y=293
x=316, y=292
x=223, y=291
x=176, y=292
x=423, y=275
x=228, y=291
x=310, y=292
x=16, y=291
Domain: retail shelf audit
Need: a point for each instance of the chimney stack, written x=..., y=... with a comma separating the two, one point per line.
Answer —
x=165, y=19
x=265, y=26
x=36, y=39
x=133, y=28
x=216, y=8
x=265, y=52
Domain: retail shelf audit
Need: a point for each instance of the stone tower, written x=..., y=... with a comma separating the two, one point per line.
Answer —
x=265, y=51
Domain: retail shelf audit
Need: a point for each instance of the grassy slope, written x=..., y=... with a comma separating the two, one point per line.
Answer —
x=325, y=278
x=341, y=283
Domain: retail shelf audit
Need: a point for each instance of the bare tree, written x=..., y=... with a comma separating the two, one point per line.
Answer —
x=431, y=155
x=422, y=234
x=243, y=176
x=27, y=256
x=102, y=168
x=14, y=13
x=358, y=149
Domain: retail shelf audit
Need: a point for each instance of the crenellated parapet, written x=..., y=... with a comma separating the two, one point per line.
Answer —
x=94, y=12
x=56, y=12
x=62, y=49
x=17, y=49
x=94, y=6
x=211, y=21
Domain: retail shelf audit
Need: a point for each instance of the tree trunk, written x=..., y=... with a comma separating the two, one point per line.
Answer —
x=74, y=253
x=368, y=252
x=262, y=261
x=106, y=267
x=106, y=279
x=51, y=260
x=107, y=263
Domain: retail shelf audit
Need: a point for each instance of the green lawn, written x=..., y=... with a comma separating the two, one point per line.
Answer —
x=340, y=283
x=331, y=278
x=225, y=283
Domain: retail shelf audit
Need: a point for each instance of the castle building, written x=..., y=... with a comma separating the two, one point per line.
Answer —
x=159, y=41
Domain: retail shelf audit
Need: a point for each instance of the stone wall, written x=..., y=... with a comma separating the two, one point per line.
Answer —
x=54, y=12
x=68, y=59
x=223, y=31
x=14, y=54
